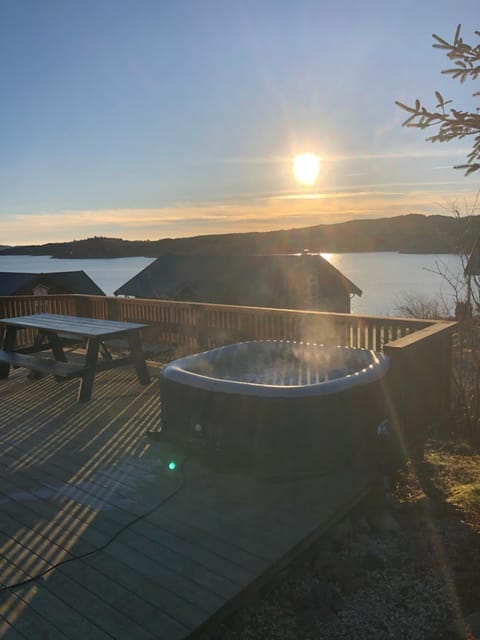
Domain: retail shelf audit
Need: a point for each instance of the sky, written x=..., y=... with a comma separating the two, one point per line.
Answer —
x=148, y=119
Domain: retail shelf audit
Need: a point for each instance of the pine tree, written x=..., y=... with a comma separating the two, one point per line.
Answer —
x=452, y=123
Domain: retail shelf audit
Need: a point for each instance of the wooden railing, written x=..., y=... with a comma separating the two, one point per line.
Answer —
x=185, y=323
x=418, y=383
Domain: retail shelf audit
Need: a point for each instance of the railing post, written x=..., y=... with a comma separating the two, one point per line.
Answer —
x=203, y=335
x=418, y=384
x=445, y=369
x=402, y=402
x=113, y=309
x=83, y=306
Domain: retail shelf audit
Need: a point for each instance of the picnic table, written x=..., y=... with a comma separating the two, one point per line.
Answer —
x=52, y=329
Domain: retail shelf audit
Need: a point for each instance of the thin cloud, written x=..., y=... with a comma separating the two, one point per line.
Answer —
x=345, y=194
x=420, y=152
x=434, y=152
x=373, y=190
x=190, y=219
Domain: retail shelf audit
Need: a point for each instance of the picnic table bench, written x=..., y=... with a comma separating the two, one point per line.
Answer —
x=50, y=329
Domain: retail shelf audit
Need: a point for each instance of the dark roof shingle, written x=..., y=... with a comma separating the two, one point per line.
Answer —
x=11, y=283
x=275, y=280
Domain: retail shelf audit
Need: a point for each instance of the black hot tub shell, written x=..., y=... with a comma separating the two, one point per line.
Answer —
x=276, y=406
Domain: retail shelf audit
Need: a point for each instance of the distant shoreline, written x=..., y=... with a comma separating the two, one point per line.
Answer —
x=120, y=257
x=408, y=234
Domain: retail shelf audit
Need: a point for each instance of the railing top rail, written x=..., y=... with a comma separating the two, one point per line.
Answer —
x=428, y=333
x=265, y=310
x=413, y=324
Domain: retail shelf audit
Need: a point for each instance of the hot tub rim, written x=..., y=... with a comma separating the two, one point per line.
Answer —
x=176, y=372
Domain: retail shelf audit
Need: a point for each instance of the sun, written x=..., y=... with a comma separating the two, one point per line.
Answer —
x=306, y=167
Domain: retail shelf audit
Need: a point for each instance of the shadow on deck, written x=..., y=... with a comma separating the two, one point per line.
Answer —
x=144, y=551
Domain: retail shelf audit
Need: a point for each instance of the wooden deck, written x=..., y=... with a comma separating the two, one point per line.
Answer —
x=81, y=486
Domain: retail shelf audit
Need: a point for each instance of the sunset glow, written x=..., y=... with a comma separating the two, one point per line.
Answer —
x=135, y=142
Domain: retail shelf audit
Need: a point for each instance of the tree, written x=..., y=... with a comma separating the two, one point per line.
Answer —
x=452, y=123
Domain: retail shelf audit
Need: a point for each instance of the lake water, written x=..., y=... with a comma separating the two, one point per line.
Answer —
x=109, y=274
x=385, y=278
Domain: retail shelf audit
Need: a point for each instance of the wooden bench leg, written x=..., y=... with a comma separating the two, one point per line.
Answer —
x=57, y=348
x=135, y=345
x=86, y=385
x=8, y=345
x=104, y=350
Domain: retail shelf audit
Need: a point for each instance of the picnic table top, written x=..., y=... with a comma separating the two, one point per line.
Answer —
x=74, y=325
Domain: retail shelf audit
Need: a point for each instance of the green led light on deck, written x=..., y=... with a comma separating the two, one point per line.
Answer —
x=172, y=466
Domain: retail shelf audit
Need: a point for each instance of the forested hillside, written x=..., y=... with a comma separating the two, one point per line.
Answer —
x=413, y=233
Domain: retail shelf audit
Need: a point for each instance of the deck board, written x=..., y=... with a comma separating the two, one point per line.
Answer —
x=172, y=563
x=67, y=589
x=178, y=548
x=34, y=613
x=84, y=575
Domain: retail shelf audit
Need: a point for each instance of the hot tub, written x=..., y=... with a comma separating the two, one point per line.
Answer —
x=276, y=406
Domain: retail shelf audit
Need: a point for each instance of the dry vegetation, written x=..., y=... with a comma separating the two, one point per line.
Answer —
x=450, y=479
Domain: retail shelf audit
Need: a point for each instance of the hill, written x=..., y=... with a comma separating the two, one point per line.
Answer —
x=412, y=233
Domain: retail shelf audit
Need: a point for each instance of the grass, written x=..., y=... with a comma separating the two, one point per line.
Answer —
x=451, y=477
x=448, y=481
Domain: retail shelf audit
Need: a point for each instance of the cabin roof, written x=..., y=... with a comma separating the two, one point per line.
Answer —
x=11, y=283
x=246, y=280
